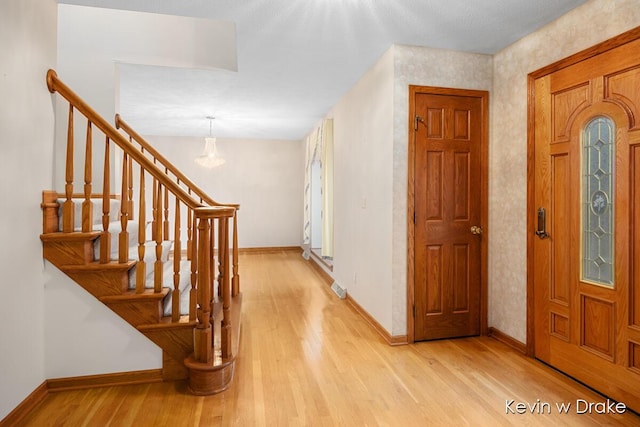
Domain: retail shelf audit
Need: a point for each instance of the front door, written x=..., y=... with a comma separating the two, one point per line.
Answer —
x=585, y=221
x=450, y=145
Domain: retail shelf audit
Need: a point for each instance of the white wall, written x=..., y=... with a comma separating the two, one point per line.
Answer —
x=84, y=337
x=27, y=43
x=363, y=152
x=581, y=28
x=92, y=40
x=265, y=177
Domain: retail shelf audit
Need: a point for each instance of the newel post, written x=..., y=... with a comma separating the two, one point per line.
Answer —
x=225, y=329
x=235, y=281
x=50, y=206
x=203, y=333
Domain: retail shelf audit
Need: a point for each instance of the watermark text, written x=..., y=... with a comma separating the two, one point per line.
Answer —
x=580, y=406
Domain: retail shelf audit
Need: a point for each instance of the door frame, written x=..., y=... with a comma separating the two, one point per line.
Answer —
x=484, y=199
x=588, y=53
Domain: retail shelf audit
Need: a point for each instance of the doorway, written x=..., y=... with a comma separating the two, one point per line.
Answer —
x=447, y=203
x=584, y=217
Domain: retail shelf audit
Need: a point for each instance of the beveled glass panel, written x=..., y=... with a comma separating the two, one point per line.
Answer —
x=597, y=202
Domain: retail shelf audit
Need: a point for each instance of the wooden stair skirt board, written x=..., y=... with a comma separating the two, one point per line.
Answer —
x=211, y=378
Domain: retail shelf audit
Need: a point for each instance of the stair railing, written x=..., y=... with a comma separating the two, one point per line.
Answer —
x=209, y=223
x=191, y=187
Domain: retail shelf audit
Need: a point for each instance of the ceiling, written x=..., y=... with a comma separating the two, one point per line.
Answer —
x=296, y=59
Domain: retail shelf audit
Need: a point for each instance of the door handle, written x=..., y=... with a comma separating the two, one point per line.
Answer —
x=476, y=230
x=541, y=232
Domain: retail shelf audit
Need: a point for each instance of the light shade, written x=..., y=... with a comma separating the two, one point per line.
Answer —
x=209, y=158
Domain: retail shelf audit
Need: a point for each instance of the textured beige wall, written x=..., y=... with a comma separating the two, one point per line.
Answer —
x=581, y=28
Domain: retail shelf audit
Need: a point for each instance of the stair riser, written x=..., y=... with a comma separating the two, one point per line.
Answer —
x=177, y=343
x=172, y=369
x=68, y=253
x=102, y=283
x=137, y=312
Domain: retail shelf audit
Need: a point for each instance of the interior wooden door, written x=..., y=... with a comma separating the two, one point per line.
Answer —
x=586, y=239
x=449, y=146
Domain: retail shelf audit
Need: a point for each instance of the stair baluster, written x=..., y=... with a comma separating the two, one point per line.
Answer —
x=141, y=266
x=68, y=208
x=235, y=283
x=212, y=271
x=166, y=224
x=129, y=199
x=87, y=204
x=154, y=205
x=105, y=239
x=192, y=246
x=223, y=250
x=177, y=256
x=190, y=234
x=221, y=265
x=123, y=237
x=158, y=265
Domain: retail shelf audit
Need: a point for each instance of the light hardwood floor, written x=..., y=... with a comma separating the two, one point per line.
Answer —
x=307, y=358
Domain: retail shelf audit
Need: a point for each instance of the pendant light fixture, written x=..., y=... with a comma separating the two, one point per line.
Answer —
x=210, y=158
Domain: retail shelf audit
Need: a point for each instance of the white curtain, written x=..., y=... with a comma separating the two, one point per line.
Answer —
x=306, y=233
x=311, y=149
x=319, y=147
x=327, y=188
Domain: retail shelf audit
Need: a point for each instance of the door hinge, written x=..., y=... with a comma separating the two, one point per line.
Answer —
x=414, y=310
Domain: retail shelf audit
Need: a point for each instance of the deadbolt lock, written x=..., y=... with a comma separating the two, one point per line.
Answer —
x=476, y=230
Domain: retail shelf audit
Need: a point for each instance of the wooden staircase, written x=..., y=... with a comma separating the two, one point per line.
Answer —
x=192, y=315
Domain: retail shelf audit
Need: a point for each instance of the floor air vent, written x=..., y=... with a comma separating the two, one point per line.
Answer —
x=342, y=293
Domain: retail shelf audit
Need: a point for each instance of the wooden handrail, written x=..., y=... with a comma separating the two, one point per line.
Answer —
x=56, y=85
x=121, y=124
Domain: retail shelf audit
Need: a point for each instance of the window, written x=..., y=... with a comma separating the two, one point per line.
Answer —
x=598, y=157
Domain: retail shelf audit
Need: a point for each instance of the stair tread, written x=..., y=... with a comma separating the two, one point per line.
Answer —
x=132, y=295
x=76, y=235
x=166, y=323
x=97, y=266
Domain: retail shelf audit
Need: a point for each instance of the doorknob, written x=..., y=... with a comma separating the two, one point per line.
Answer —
x=476, y=230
